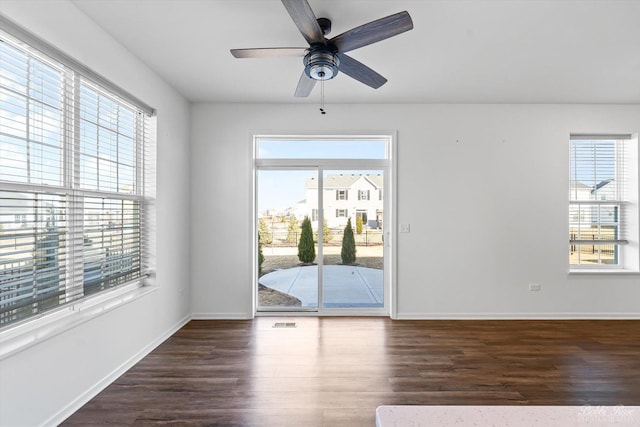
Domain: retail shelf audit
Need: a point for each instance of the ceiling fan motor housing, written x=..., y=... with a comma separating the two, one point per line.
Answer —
x=321, y=63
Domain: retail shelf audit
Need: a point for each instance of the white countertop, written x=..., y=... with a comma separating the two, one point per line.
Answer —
x=508, y=416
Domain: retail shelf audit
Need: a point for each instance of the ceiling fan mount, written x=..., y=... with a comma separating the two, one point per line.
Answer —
x=324, y=58
x=325, y=25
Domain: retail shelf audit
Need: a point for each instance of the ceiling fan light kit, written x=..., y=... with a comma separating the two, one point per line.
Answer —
x=321, y=64
x=324, y=58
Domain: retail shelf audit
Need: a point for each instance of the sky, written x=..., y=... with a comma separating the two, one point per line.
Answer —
x=584, y=166
x=281, y=189
x=321, y=149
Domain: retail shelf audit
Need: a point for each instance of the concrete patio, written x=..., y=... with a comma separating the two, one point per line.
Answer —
x=344, y=285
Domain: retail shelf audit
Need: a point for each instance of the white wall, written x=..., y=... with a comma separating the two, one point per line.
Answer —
x=484, y=187
x=506, y=164
x=46, y=381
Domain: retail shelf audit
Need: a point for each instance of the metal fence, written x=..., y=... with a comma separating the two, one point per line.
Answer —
x=284, y=238
x=605, y=249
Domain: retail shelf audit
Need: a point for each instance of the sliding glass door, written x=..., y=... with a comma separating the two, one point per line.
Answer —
x=285, y=283
x=321, y=226
x=353, y=250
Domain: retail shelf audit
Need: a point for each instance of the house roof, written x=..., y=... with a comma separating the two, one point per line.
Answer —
x=579, y=185
x=344, y=181
x=601, y=184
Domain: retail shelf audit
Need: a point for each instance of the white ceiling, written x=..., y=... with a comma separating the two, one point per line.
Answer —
x=473, y=51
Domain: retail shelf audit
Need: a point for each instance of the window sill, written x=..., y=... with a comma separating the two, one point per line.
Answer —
x=16, y=338
x=595, y=271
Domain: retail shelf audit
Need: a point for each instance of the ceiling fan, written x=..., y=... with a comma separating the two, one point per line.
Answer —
x=325, y=57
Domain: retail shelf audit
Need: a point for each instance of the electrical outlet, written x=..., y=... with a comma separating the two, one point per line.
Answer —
x=534, y=287
x=405, y=228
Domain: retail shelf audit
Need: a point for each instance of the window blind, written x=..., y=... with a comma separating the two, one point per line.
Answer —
x=32, y=115
x=47, y=50
x=597, y=202
x=32, y=268
x=77, y=185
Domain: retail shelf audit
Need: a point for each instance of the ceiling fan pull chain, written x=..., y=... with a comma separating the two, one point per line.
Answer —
x=322, y=97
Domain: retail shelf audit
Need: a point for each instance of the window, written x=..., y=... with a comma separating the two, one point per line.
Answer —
x=76, y=184
x=602, y=218
x=21, y=219
x=314, y=214
x=363, y=194
x=342, y=194
x=341, y=213
x=321, y=148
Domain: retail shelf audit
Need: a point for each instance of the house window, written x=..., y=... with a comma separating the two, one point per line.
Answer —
x=341, y=194
x=341, y=213
x=20, y=219
x=75, y=160
x=314, y=214
x=363, y=194
x=603, y=193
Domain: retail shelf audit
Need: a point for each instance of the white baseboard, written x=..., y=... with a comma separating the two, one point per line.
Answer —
x=85, y=397
x=221, y=316
x=518, y=316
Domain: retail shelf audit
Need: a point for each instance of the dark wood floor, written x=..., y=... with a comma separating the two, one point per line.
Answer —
x=336, y=371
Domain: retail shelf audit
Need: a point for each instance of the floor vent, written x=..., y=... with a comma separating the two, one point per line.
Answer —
x=284, y=325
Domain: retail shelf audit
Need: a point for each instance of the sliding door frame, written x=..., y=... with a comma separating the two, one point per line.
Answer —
x=388, y=166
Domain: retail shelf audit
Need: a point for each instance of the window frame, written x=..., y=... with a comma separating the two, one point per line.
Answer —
x=17, y=334
x=591, y=209
x=388, y=164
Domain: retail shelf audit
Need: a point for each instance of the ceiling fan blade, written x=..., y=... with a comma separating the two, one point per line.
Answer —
x=269, y=52
x=306, y=21
x=360, y=72
x=305, y=86
x=372, y=32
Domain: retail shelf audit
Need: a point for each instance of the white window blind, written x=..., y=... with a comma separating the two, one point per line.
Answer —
x=77, y=185
x=32, y=115
x=598, y=200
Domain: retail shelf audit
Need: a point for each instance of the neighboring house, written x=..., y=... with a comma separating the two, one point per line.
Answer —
x=16, y=212
x=591, y=215
x=606, y=215
x=347, y=196
x=605, y=190
x=580, y=191
x=299, y=210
